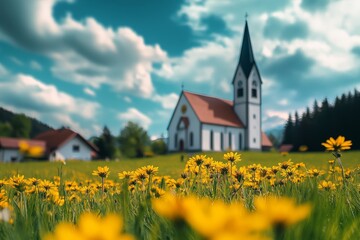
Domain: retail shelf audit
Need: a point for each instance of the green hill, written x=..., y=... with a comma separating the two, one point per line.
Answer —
x=37, y=127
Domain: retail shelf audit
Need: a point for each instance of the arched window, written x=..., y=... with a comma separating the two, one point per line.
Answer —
x=175, y=140
x=240, y=89
x=222, y=141
x=254, y=89
x=240, y=141
x=211, y=140
x=230, y=143
x=191, y=139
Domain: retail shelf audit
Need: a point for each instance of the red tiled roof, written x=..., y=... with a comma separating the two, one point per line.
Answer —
x=285, y=148
x=213, y=110
x=265, y=141
x=56, y=138
x=13, y=143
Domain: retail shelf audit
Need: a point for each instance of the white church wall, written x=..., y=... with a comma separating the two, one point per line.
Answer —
x=254, y=127
x=228, y=133
x=193, y=127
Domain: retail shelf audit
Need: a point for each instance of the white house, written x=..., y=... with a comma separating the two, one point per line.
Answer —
x=63, y=144
x=204, y=123
x=10, y=148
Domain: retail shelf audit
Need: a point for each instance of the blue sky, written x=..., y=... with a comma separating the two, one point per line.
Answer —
x=90, y=63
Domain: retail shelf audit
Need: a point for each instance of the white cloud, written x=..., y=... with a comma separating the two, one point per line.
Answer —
x=89, y=91
x=127, y=99
x=167, y=101
x=24, y=93
x=225, y=86
x=134, y=115
x=84, y=52
x=35, y=65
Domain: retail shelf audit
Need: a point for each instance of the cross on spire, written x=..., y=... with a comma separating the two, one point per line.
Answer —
x=246, y=16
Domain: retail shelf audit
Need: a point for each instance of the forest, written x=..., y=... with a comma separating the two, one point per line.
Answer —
x=307, y=131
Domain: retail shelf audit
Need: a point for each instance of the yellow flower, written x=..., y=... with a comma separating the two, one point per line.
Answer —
x=327, y=185
x=91, y=227
x=23, y=146
x=337, y=145
x=232, y=157
x=169, y=206
x=102, y=172
x=281, y=211
x=36, y=151
x=150, y=170
x=125, y=174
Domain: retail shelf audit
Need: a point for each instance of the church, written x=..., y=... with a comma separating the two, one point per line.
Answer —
x=205, y=123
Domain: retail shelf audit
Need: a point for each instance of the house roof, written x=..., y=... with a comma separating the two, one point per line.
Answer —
x=13, y=143
x=56, y=138
x=265, y=141
x=213, y=110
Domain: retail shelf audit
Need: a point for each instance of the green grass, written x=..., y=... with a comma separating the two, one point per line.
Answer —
x=169, y=164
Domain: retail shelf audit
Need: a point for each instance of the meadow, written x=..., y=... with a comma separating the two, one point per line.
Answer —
x=215, y=196
x=169, y=164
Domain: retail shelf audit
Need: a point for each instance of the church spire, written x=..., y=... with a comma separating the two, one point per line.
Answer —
x=247, y=59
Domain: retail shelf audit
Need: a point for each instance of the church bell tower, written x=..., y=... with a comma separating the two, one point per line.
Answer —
x=247, y=93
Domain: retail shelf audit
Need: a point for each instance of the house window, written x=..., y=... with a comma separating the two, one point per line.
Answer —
x=240, y=141
x=230, y=143
x=222, y=141
x=13, y=159
x=211, y=140
x=240, y=92
x=175, y=143
x=191, y=139
x=76, y=148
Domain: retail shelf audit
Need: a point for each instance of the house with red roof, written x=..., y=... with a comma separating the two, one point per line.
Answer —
x=206, y=123
x=10, y=148
x=65, y=144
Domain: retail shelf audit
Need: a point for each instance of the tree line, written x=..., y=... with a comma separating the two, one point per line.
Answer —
x=133, y=141
x=324, y=121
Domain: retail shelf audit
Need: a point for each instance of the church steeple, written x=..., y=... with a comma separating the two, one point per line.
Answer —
x=247, y=59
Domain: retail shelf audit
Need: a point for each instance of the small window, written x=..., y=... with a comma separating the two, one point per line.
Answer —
x=191, y=139
x=254, y=116
x=254, y=93
x=240, y=141
x=175, y=140
x=222, y=141
x=240, y=92
x=211, y=140
x=254, y=83
x=76, y=148
x=254, y=140
x=240, y=83
x=230, y=143
x=13, y=159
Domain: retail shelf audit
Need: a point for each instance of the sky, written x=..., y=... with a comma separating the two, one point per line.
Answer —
x=90, y=63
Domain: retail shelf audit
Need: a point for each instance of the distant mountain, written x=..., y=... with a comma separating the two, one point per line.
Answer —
x=277, y=132
x=36, y=126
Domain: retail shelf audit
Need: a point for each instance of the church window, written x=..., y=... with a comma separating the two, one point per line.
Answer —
x=240, y=92
x=176, y=139
x=191, y=139
x=240, y=141
x=211, y=140
x=222, y=141
x=240, y=83
x=254, y=89
x=254, y=140
x=254, y=116
x=230, y=143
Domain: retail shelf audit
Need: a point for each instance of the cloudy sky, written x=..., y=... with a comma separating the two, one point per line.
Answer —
x=90, y=63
